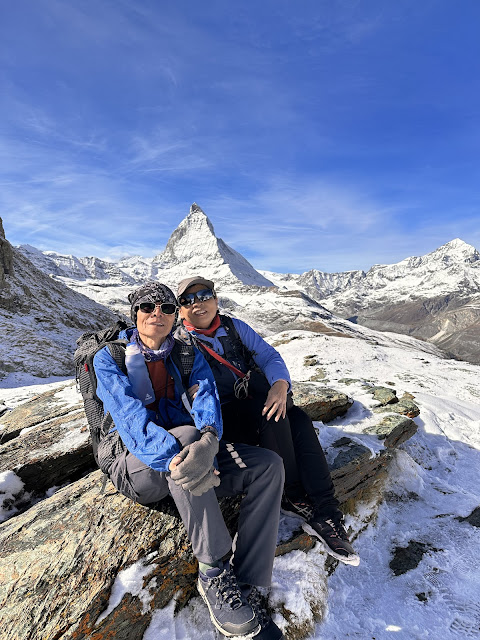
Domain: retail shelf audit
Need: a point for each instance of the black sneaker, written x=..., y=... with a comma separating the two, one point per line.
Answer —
x=296, y=508
x=229, y=610
x=334, y=538
x=268, y=628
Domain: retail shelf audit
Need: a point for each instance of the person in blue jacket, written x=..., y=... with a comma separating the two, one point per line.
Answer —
x=173, y=445
x=254, y=387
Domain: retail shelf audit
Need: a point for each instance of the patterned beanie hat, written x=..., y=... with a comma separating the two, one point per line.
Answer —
x=149, y=292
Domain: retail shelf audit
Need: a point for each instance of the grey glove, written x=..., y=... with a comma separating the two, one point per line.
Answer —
x=197, y=462
x=208, y=481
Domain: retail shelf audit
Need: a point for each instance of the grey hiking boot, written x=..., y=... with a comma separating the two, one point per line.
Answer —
x=334, y=538
x=229, y=609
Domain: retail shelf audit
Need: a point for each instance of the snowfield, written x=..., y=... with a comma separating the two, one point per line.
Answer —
x=433, y=487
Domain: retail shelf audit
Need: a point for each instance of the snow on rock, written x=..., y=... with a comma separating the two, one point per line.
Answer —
x=10, y=488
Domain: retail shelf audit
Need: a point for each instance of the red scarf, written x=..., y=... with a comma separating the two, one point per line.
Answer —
x=204, y=332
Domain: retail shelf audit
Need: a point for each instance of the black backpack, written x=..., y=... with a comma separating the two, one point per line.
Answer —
x=88, y=344
x=107, y=446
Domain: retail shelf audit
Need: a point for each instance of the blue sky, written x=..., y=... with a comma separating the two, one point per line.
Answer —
x=314, y=134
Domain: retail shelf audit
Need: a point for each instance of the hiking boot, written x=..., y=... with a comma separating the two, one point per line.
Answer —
x=229, y=609
x=268, y=628
x=296, y=508
x=334, y=538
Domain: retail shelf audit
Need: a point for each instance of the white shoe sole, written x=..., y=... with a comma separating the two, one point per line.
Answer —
x=352, y=560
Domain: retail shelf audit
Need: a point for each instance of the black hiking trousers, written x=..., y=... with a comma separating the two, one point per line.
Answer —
x=295, y=440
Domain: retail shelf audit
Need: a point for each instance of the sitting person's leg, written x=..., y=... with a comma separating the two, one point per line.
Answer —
x=312, y=464
x=258, y=474
x=206, y=530
x=323, y=518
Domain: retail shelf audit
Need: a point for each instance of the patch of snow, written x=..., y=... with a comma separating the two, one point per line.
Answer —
x=17, y=388
x=11, y=486
x=130, y=580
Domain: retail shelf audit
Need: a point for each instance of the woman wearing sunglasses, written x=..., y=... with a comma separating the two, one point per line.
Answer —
x=254, y=388
x=170, y=445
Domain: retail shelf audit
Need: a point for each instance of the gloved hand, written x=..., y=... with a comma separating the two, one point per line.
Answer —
x=197, y=462
x=208, y=481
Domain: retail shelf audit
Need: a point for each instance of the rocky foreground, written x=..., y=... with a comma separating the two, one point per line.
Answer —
x=62, y=551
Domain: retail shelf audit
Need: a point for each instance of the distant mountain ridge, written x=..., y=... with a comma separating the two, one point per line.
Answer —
x=432, y=297
x=41, y=317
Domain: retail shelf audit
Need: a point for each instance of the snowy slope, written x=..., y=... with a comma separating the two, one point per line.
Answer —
x=433, y=486
x=41, y=319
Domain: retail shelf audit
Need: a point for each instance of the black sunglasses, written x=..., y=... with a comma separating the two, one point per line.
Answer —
x=165, y=307
x=188, y=299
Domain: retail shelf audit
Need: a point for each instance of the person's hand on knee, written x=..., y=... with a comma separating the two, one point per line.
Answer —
x=196, y=464
x=209, y=481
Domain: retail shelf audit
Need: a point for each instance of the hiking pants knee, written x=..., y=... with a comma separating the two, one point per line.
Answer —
x=257, y=473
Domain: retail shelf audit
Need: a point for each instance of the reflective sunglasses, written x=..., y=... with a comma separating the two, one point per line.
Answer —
x=165, y=307
x=187, y=299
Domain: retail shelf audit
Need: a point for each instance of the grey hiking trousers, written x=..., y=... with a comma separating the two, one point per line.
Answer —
x=256, y=473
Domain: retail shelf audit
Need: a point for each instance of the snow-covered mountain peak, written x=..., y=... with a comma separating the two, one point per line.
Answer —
x=194, y=235
x=455, y=251
x=193, y=248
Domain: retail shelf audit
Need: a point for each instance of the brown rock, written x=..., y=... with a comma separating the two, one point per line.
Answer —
x=320, y=403
x=394, y=429
x=59, y=560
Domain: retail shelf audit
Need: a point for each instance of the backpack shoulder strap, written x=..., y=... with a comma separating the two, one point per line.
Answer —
x=236, y=342
x=117, y=351
x=183, y=356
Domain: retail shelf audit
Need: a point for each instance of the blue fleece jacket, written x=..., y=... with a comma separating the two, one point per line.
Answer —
x=145, y=432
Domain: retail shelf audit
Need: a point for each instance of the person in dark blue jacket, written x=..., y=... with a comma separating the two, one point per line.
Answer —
x=254, y=387
x=173, y=445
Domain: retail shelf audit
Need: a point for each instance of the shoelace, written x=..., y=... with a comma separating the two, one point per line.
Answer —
x=338, y=530
x=255, y=601
x=227, y=590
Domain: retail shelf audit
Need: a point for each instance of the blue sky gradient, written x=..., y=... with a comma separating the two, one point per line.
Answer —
x=317, y=134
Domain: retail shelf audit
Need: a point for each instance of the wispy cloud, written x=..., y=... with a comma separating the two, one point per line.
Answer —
x=331, y=136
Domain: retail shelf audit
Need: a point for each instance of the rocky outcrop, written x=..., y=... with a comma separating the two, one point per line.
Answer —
x=405, y=406
x=320, y=403
x=6, y=256
x=394, y=430
x=62, y=559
